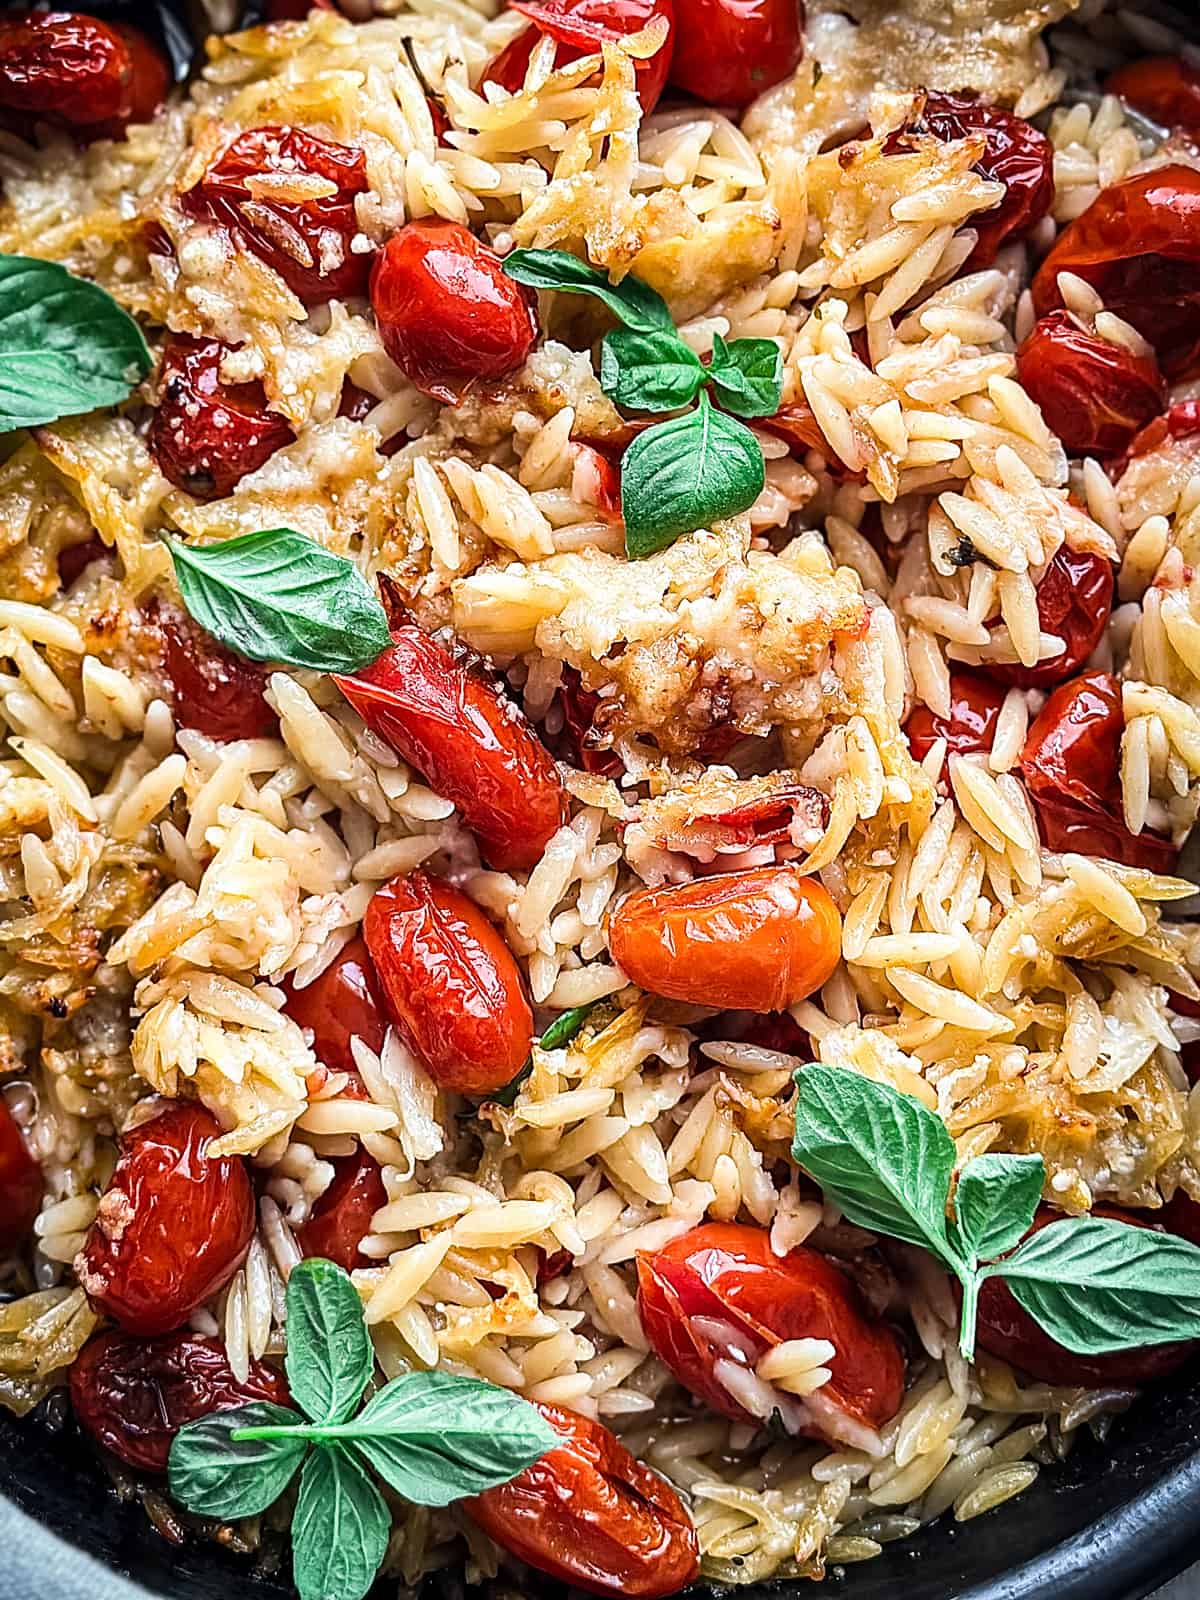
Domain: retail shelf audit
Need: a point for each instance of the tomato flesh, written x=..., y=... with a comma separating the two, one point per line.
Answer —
x=580, y=28
x=1074, y=601
x=1094, y=395
x=591, y=1515
x=345, y=1002
x=970, y=729
x=78, y=73
x=341, y=1218
x=212, y=690
x=21, y=1185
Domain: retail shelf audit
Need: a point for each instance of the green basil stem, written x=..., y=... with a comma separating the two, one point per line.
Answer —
x=970, y=1311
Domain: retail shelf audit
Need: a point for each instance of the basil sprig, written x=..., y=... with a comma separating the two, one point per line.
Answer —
x=431, y=1436
x=1092, y=1283
x=279, y=596
x=66, y=346
x=689, y=471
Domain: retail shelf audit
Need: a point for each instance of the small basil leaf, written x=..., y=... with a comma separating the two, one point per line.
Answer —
x=340, y=1530
x=66, y=346
x=649, y=371
x=687, y=473
x=1095, y=1284
x=435, y=1437
x=215, y=1475
x=995, y=1202
x=563, y=1029
x=636, y=304
x=747, y=375
x=880, y=1155
x=329, y=1357
x=276, y=595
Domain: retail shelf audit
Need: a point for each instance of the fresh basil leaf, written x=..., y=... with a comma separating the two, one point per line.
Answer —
x=747, y=375
x=687, y=473
x=435, y=1437
x=563, y=1029
x=340, y=1529
x=1095, y=1284
x=649, y=371
x=508, y=1095
x=329, y=1356
x=276, y=595
x=995, y=1201
x=66, y=346
x=215, y=1475
x=880, y=1155
x=636, y=304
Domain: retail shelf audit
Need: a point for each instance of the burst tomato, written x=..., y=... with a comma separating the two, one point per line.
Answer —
x=750, y=941
x=77, y=73
x=341, y=1217
x=134, y=1395
x=450, y=983
x=75, y=559
x=581, y=723
x=21, y=1186
x=1180, y=421
x=448, y=315
x=592, y=1516
x=1074, y=599
x=729, y=51
x=799, y=429
x=1071, y=764
x=308, y=242
x=472, y=744
x=716, y=1300
x=971, y=726
x=344, y=1003
x=580, y=28
x=206, y=434
x=1164, y=88
x=1094, y=395
x=212, y=690
x=1138, y=245
x=173, y=1224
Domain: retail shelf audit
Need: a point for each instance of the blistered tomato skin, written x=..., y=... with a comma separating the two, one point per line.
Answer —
x=77, y=73
x=1094, y=395
x=212, y=690
x=134, y=1395
x=970, y=729
x=447, y=314
x=450, y=983
x=592, y=1516
x=341, y=1217
x=580, y=28
x=1074, y=600
x=751, y=941
x=307, y=242
x=1164, y=88
x=1138, y=245
x=343, y=1003
x=173, y=1224
x=1071, y=764
x=725, y=1275
x=206, y=434
x=21, y=1185
x=471, y=744
x=727, y=52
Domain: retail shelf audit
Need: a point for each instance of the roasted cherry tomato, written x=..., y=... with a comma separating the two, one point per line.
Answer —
x=341, y=1217
x=750, y=941
x=447, y=314
x=971, y=726
x=344, y=1003
x=799, y=429
x=592, y=1516
x=773, y=1030
x=1074, y=599
x=74, y=559
x=77, y=73
x=1094, y=395
x=728, y=52
x=580, y=28
x=1180, y=421
x=21, y=1186
x=471, y=743
x=793, y=811
x=173, y=1224
x=450, y=983
x=1071, y=764
x=134, y=1395
x=212, y=690
x=596, y=481
x=206, y=434
x=1006, y=1329
x=1164, y=88
x=580, y=709
x=1138, y=245
x=1015, y=154
x=307, y=241
x=719, y=1298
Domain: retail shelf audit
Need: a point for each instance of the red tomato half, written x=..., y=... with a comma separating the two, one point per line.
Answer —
x=721, y=1288
x=1074, y=600
x=212, y=690
x=21, y=1186
x=1094, y=395
x=1164, y=88
x=344, y=1003
x=580, y=28
x=971, y=726
x=1138, y=245
x=78, y=73
x=341, y=1217
x=728, y=52
x=1180, y=421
